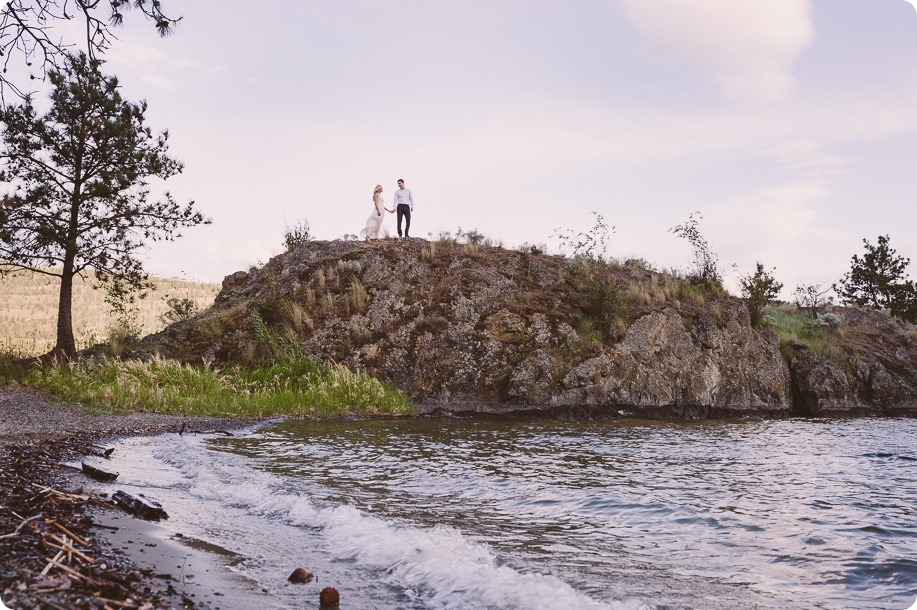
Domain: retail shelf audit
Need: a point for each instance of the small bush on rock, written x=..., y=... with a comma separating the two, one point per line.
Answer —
x=706, y=270
x=296, y=236
x=759, y=290
x=179, y=310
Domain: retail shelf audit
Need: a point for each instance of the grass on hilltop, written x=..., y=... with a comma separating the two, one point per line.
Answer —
x=798, y=327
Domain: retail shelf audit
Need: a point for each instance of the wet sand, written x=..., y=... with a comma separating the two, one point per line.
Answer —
x=195, y=572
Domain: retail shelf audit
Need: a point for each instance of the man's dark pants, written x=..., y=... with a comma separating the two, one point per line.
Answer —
x=404, y=211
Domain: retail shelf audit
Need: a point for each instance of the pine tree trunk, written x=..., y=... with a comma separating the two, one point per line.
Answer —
x=65, y=349
x=66, y=346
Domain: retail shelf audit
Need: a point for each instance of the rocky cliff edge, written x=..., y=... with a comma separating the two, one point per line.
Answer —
x=465, y=328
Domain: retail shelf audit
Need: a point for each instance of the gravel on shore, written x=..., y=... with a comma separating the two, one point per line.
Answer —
x=38, y=515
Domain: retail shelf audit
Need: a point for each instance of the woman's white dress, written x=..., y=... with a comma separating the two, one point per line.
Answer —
x=374, y=227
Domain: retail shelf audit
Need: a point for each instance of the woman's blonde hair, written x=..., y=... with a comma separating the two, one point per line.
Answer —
x=378, y=189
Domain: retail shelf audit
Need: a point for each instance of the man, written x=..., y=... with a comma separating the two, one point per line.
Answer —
x=404, y=205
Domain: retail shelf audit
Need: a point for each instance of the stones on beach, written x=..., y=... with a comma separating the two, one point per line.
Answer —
x=300, y=575
x=98, y=474
x=329, y=597
x=101, y=452
x=139, y=506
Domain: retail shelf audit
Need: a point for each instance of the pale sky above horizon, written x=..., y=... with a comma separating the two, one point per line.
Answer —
x=791, y=125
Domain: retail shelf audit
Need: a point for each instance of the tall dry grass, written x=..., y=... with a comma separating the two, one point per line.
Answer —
x=28, y=310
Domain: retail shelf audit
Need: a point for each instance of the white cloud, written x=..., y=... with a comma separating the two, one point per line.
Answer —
x=155, y=65
x=158, y=81
x=805, y=154
x=750, y=46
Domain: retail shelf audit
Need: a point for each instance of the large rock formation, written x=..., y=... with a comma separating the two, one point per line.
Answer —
x=671, y=365
x=479, y=329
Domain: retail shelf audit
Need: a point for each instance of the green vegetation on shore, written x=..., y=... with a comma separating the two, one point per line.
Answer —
x=294, y=386
x=285, y=381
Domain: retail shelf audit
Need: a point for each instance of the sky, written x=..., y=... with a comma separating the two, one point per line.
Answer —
x=789, y=125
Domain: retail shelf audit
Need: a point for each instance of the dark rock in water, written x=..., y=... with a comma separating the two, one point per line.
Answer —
x=140, y=506
x=329, y=597
x=301, y=575
x=98, y=474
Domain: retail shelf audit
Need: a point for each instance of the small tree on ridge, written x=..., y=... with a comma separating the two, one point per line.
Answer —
x=706, y=269
x=879, y=279
x=759, y=290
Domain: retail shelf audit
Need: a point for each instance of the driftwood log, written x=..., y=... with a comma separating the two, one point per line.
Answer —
x=98, y=474
x=140, y=506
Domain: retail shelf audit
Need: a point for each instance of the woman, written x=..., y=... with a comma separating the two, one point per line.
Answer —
x=374, y=228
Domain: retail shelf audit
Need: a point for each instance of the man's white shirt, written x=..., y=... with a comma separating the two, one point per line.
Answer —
x=403, y=196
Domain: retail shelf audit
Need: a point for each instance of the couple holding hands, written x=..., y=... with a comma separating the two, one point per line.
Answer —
x=402, y=203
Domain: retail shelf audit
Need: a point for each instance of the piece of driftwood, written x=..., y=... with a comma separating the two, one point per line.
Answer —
x=140, y=506
x=23, y=524
x=75, y=538
x=55, y=562
x=65, y=545
x=98, y=474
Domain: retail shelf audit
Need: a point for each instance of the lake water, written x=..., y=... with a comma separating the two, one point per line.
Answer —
x=556, y=515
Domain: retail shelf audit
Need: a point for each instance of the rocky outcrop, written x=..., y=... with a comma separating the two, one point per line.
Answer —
x=662, y=368
x=477, y=329
x=875, y=375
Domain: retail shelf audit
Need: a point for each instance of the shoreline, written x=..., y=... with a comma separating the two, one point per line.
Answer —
x=41, y=496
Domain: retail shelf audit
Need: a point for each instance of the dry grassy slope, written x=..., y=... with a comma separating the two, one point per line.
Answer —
x=28, y=310
x=472, y=328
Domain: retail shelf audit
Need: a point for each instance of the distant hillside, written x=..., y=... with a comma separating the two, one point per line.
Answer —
x=28, y=310
x=465, y=327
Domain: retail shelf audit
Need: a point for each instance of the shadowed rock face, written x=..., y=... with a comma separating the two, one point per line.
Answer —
x=489, y=330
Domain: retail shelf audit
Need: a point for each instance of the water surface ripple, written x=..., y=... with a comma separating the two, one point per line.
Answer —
x=494, y=514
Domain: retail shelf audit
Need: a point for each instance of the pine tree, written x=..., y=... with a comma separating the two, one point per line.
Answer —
x=79, y=197
x=28, y=33
x=879, y=279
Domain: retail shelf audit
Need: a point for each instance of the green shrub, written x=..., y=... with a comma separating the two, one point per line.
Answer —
x=178, y=310
x=604, y=301
x=296, y=236
x=759, y=290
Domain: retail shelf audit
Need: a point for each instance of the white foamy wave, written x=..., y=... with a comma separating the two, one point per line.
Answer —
x=438, y=566
x=452, y=571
